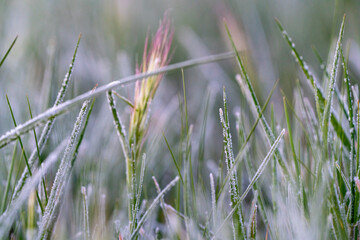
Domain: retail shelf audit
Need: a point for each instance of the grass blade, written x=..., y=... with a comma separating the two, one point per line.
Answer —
x=254, y=179
x=238, y=222
x=153, y=205
x=255, y=102
x=329, y=100
x=52, y=208
x=8, y=51
x=48, y=126
x=319, y=95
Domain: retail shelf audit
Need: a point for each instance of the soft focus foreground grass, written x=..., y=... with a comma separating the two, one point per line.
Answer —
x=113, y=35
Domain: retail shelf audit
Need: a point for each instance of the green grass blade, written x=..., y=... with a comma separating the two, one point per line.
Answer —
x=295, y=158
x=153, y=205
x=8, y=51
x=319, y=95
x=173, y=158
x=8, y=182
x=268, y=131
x=243, y=147
x=24, y=153
x=51, y=113
x=329, y=100
x=55, y=199
x=48, y=126
x=238, y=222
x=12, y=212
x=254, y=179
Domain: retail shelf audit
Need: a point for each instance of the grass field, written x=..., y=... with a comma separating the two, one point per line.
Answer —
x=179, y=120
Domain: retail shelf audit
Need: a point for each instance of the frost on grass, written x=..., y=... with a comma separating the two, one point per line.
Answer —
x=47, y=129
x=53, y=206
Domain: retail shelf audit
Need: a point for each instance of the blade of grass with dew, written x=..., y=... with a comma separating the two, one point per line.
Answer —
x=121, y=132
x=319, y=95
x=64, y=107
x=242, y=149
x=8, y=51
x=55, y=199
x=24, y=154
x=48, y=126
x=268, y=131
x=238, y=222
x=12, y=212
x=251, y=172
x=8, y=182
x=327, y=75
x=254, y=179
x=351, y=119
x=329, y=100
x=153, y=205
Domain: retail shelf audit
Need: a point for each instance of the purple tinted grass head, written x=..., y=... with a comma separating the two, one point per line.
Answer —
x=154, y=57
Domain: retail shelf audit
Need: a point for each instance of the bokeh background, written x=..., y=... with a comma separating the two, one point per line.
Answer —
x=113, y=36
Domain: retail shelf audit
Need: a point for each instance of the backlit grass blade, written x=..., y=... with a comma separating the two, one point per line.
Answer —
x=238, y=222
x=254, y=179
x=319, y=95
x=268, y=131
x=48, y=126
x=51, y=113
x=152, y=206
x=295, y=158
x=12, y=212
x=244, y=145
x=332, y=81
x=8, y=182
x=354, y=203
x=24, y=153
x=56, y=195
x=8, y=51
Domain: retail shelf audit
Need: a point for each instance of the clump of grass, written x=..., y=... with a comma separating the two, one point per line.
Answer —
x=313, y=183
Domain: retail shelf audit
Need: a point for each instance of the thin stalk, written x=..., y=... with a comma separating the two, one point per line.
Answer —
x=39, y=120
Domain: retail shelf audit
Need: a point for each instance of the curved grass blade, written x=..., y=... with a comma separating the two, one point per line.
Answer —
x=153, y=205
x=327, y=75
x=242, y=149
x=254, y=179
x=354, y=203
x=24, y=153
x=9, y=216
x=51, y=113
x=8, y=51
x=52, y=208
x=238, y=222
x=329, y=100
x=48, y=126
x=268, y=131
x=319, y=95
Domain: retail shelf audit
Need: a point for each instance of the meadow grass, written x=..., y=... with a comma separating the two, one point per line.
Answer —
x=293, y=176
